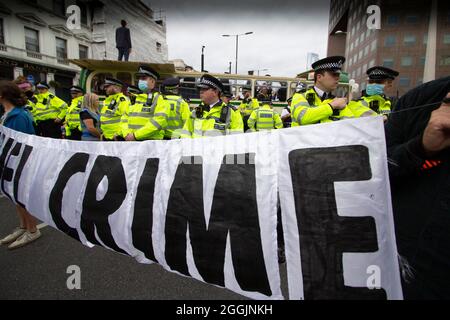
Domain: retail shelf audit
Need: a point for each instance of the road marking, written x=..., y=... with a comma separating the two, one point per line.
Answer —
x=42, y=226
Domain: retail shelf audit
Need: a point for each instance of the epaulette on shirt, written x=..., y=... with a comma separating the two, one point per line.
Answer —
x=122, y=99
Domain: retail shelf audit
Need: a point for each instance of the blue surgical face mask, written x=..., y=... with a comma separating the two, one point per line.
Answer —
x=375, y=89
x=143, y=85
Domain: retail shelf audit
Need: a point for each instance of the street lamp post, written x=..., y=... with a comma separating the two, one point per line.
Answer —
x=203, y=58
x=237, y=44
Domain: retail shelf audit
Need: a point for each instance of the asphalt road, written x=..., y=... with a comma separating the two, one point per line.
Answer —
x=39, y=271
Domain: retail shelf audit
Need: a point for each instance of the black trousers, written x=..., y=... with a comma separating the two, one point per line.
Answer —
x=245, y=120
x=75, y=134
x=49, y=129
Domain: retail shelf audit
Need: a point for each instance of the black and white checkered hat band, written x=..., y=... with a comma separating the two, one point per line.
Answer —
x=379, y=73
x=142, y=71
x=331, y=65
x=208, y=83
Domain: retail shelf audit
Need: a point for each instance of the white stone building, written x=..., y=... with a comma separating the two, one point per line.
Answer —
x=35, y=41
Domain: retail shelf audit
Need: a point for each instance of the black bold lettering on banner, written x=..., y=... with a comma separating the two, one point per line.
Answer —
x=4, y=154
x=23, y=160
x=8, y=173
x=95, y=213
x=234, y=211
x=77, y=163
x=325, y=236
x=143, y=210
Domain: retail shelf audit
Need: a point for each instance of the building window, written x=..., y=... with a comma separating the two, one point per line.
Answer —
x=412, y=19
x=388, y=62
x=389, y=41
x=351, y=46
x=61, y=50
x=366, y=51
x=2, y=35
x=372, y=63
x=368, y=33
x=158, y=47
x=358, y=25
x=83, y=12
x=445, y=61
x=406, y=61
x=447, y=38
x=357, y=42
x=364, y=68
x=361, y=38
x=409, y=40
x=392, y=20
x=32, y=40
x=358, y=72
x=404, y=82
x=360, y=55
x=59, y=7
x=84, y=52
x=422, y=61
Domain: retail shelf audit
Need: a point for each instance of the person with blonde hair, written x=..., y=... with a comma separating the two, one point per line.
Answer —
x=90, y=118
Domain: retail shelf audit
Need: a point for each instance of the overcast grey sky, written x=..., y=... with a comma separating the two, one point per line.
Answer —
x=284, y=32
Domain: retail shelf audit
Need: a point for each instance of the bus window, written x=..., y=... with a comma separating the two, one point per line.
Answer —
x=125, y=77
x=188, y=89
x=98, y=81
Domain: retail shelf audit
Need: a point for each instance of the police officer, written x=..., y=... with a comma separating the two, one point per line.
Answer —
x=264, y=118
x=177, y=108
x=114, y=108
x=133, y=92
x=286, y=114
x=148, y=116
x=49, y=112
x=318, y=105
x=374, y=102
x=216, y=118
x=248, y=105
x=72, y=124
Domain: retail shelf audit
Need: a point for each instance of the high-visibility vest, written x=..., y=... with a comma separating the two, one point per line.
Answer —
x=73, y=115
x=49, y=107
x=178, y=113
x=308, y=108
x=248, y=106
x=220, y=120
x=264, y=118
x=114, y=107
x=147, y=118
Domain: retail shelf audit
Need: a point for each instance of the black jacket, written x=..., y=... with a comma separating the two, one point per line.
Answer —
x=420, y=193
x=123, y=38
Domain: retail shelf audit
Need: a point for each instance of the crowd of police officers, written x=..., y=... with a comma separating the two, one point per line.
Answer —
x=148, y=114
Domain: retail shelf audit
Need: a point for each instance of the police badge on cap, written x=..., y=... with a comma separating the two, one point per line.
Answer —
x=381, y=73
x=332, y=64
x=147, y=71
x=209, y=82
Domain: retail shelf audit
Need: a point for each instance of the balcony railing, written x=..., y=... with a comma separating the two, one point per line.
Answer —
x=63, y=61
x=35, y=55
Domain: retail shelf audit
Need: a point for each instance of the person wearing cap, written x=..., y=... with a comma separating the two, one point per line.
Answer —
x=49, y=112
x=72, y=125
x=148, y=117
x=286, y=114
x=132, y=93
x=264, y=118
x=374, y=102
x=27, y=88
x=114, y=108
x=318, y=105
x=248, y=105
x=177, y=108
x=216, y=117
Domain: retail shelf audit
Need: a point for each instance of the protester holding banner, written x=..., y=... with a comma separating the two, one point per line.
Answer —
x=18, y=119
x=418, y=141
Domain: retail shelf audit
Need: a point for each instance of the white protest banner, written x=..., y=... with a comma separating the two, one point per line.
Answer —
x=207, y=208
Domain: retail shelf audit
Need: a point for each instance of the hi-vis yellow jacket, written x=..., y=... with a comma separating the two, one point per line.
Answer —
x=49, y=107
x=114, y=108
x=220, y=120
x=264, y=118
x=308, y=108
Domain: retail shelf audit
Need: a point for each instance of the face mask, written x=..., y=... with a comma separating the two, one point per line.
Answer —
x=375, y=89
x=143, y=85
